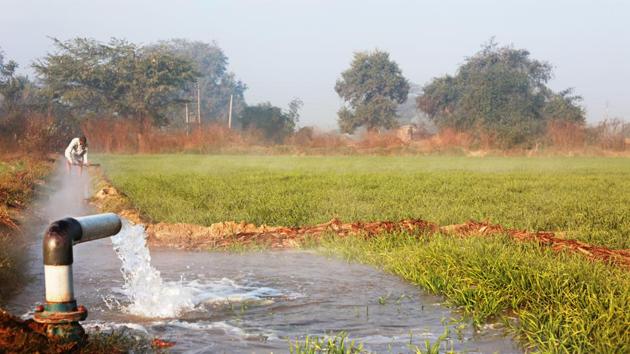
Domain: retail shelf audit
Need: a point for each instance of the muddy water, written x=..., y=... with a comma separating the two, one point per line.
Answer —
x=249, y=302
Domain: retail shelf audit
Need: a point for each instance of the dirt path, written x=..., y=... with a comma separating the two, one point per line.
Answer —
x=231, y=234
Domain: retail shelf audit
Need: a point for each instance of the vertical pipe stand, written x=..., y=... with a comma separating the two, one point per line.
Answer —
x=60, y=312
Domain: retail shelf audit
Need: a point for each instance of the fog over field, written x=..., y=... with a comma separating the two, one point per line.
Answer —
x=283, y=49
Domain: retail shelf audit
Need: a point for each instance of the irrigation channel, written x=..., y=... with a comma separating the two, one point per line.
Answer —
x=211, y=302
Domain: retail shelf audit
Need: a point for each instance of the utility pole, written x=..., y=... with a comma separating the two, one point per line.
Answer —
x=198, y=104
x=187, y=119
x=230, y=114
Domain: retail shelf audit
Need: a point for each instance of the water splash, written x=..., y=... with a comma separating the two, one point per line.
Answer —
x=148, y=295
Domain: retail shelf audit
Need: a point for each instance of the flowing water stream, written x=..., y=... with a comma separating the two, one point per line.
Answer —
x=212, y=302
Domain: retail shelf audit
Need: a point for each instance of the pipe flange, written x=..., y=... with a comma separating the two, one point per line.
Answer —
x=56, y=317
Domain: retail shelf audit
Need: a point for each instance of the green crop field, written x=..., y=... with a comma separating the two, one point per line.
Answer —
x=587, y=198
x=550, y=301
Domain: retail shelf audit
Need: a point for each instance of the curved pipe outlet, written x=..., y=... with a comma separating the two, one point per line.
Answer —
x=61, y=235
x=60, y=312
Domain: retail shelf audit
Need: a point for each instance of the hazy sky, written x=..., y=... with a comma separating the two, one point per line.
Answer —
x=291, y=48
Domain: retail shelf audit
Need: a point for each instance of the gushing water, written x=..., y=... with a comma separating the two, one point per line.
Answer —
x=150, y=296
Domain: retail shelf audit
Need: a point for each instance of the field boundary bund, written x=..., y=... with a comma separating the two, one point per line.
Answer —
x=224, y=235
x=230, y=234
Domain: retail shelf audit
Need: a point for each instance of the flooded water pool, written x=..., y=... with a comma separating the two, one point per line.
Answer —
x=252, y=302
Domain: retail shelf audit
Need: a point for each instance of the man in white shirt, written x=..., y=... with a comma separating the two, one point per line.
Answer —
x=76, y=153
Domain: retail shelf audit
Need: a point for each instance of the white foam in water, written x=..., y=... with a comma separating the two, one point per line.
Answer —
x=101, y=325
x=150, y=296
x=205, y=326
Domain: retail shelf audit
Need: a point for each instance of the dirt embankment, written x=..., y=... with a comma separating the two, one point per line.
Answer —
x=17, y=336
x=229, y=234
x=620, y=257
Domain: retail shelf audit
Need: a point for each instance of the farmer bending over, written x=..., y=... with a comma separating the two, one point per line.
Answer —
x=76, y=153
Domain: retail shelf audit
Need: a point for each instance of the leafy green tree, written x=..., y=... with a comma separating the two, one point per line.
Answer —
x=117, y=78
x=564, y=106
x=216, y=84
x=372, y=87
x=499, y=91
x=272, y=121
x=14, y=88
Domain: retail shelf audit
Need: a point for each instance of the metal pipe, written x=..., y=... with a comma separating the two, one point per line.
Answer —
x=98, y=226
x=58, y=283
x=60, y=311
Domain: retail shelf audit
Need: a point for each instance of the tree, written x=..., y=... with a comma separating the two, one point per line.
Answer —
x=14, y=88
x=294, y=110
x=372, y=87
x=216, y=84
x=272, y=121
x=499, y=91
x=564, y=106
x=116, y=78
